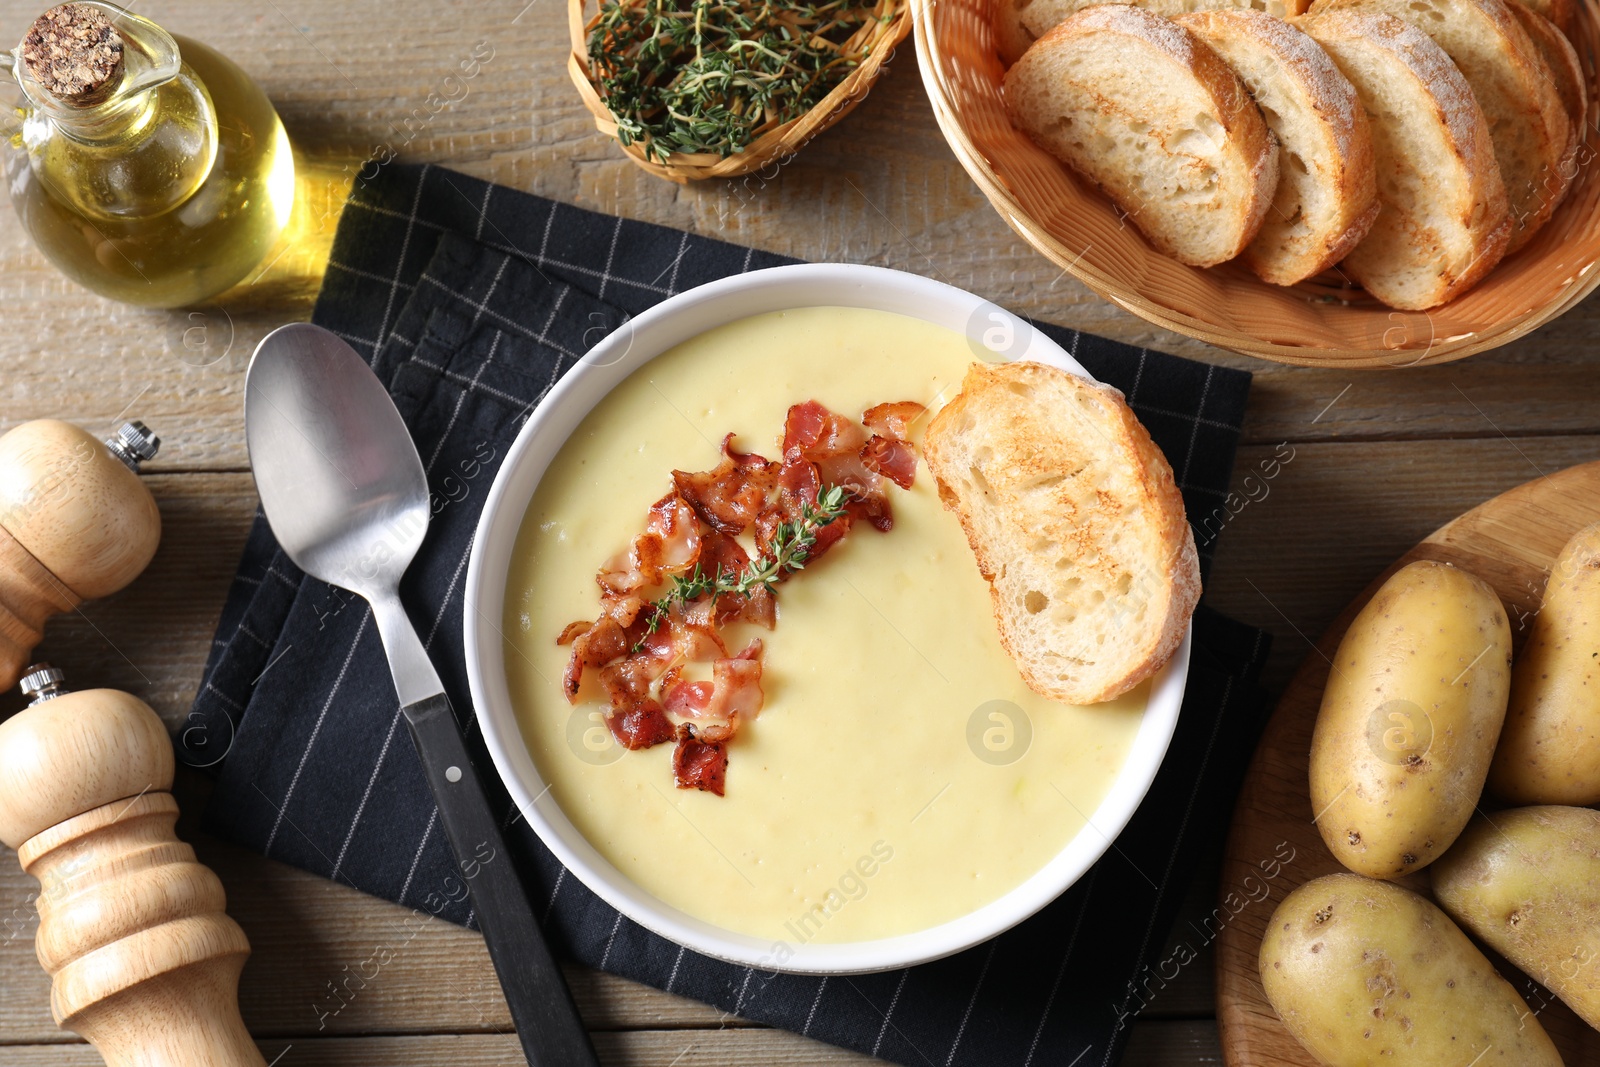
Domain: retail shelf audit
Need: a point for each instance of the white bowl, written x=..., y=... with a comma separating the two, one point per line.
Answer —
x=664, y=326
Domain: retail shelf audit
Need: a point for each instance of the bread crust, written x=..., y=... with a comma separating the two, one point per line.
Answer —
x=1477, y=202
x=1559, y=12
x=1327, y=126
x=1011, y=38
x=1566, y=71
x=986, y=401
x=1506, y=72
x=1153, y=39
x=1018, y=25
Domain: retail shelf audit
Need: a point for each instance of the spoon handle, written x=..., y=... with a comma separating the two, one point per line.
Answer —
x=546, y=1018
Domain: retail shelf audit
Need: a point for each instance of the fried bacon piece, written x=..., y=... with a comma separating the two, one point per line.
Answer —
x=697, y=643
x=719, y=552
x=736, y=686
x=699, y=764
x=641, y=725
x=731, y=696
x=730, y=496
x=670, y=545
x=874, y=512
x=672, y=520
x=812, y=430
x=893, y=420
x=627, y=679
x=640, y=649
x=838, y=448
x=688, y=699
x=678, y=639
x=888, y=452
x=799, y=484
x=639, y=721
x=867, y=504
x=891, y=458
x=722, y=554
x=595, y=647
x=600, y=642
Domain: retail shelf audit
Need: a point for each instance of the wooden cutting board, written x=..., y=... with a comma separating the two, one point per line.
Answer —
x=1273, y=845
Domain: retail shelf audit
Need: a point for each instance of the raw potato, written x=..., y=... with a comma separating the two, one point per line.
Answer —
x=1367, y=973
x=1528, y=882
x=1409, y=719
x=1550, y=748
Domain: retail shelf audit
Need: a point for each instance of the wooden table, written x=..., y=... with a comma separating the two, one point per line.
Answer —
x=1379, y=460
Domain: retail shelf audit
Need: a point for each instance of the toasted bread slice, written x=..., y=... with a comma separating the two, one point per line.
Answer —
x=1560, y=12
x=1145, y=109
x=1076, y=523
x=1011, y=37
x=1327, y=195
x=1444, y=221
x=1531, y=132
x=1565, y=69
x=1018, y=23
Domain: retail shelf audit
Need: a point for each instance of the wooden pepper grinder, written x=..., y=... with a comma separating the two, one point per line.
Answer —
x=145, y=961
x=76, y=523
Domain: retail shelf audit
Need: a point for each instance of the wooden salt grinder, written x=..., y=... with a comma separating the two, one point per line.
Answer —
x=76, y=523
x=132, y=929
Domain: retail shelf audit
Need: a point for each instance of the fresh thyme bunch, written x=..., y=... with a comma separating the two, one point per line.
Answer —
x=786, y=553
x=707, y=76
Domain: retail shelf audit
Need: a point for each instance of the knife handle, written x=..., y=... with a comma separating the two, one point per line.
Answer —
x=546, y=1018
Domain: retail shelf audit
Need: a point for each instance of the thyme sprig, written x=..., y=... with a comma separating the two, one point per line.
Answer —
x=709, y=76
x=786, y=553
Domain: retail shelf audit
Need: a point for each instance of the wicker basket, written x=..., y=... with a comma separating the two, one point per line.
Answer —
x=875, y=40
x=1321, y=322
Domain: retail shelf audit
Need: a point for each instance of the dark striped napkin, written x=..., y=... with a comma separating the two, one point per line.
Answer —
x=471, y=300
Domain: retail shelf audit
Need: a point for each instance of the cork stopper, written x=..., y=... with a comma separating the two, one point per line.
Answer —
x=75, y=54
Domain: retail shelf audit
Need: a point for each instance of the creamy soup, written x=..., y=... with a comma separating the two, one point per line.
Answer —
x=900, y=774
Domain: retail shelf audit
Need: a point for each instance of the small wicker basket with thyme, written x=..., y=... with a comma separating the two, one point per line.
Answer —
x=718, y=88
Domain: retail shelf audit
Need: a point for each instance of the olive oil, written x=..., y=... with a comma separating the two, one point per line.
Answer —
x=165, y=194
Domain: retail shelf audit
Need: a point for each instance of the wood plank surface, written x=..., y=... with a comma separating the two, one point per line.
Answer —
x=1156, y=1045
x=1510, y=542
x=1380, y=459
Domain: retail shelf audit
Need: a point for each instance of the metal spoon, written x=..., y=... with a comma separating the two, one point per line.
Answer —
x=345, y=493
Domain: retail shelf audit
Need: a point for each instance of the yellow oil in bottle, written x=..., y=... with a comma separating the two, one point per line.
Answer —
x=115, y=211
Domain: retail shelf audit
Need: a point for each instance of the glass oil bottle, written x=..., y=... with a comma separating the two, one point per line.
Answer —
x=147, y=167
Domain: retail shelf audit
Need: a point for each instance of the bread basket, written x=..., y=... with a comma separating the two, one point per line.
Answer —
x=875, y=41
x=1322, y=322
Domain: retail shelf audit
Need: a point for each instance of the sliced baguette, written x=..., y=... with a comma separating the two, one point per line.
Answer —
x=1142, y=107
x=1076, y=523
x=1018, y=23
x=1565, y=69
x=1011, y=37
x=1327, y=196
x=1529, y=125
x=1444, y=221
x=1560, y=12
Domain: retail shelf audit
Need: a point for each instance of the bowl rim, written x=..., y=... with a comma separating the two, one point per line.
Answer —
x=547, y=429
x=931, y=64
